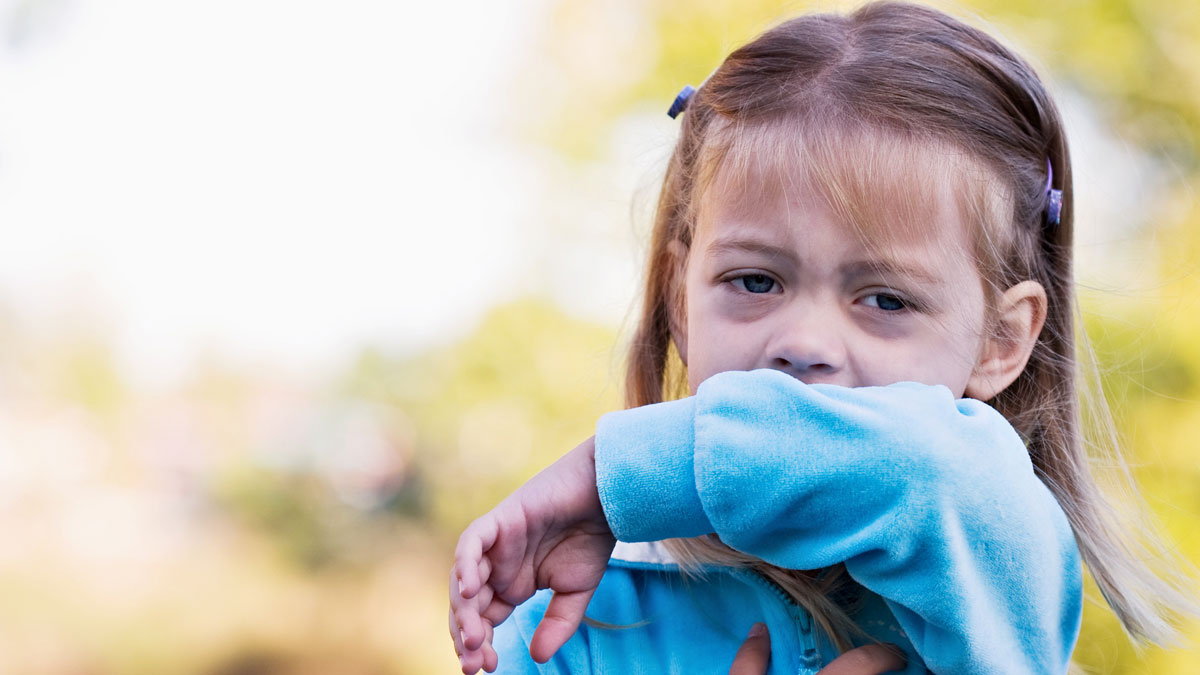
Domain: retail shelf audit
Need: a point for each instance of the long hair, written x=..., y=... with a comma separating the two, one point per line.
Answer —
x=951, y=103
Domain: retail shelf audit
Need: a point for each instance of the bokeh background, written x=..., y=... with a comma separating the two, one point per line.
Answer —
x=292, y=290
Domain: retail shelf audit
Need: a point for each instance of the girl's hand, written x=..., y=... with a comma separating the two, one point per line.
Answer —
x=550, y=533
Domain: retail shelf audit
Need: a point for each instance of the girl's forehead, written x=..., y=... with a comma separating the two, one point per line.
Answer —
x=887, y=188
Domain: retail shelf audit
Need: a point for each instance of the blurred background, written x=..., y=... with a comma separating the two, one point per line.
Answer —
x=292, y=291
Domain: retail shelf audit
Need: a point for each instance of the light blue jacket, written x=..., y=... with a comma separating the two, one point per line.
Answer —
x=931, y=502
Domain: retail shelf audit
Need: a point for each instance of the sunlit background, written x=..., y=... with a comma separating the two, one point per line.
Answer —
x=291, y=291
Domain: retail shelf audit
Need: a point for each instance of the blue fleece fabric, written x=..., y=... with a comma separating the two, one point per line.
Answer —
x=931, y=502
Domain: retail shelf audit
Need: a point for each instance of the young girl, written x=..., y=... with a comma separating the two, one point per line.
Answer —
x=864, y=233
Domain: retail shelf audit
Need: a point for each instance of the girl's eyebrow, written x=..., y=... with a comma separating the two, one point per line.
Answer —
x=748, y=245
x=889, y=267
x=859, y=268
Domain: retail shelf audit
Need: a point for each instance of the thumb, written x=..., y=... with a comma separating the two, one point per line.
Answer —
x=754, y=654
x=563, y=614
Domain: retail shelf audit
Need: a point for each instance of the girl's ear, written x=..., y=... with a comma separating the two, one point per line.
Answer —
x=1020, y=315
x=677, y=296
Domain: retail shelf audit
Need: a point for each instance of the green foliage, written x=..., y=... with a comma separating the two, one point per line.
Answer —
x=493, y=409
x=1137, y=58
x=290, y=510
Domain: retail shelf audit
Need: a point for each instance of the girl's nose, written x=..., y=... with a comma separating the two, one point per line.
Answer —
x=809, y=345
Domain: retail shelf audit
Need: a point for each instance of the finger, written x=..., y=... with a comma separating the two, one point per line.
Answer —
x=456, y=635
x=497, y=612
x=473, y=625
x=478, y=537
x=456, y=596
x=471, y=662
x=560, y=622
x=482, y=569
x=510, y=555
x=465, y=613
x=485, y=571
x=754, y=654
x=466, y=658
x=867, y=660
x=490, y=658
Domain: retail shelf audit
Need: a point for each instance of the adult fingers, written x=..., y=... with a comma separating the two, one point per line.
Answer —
x=510, y=555
x=560, y=622
x=484, y=569
x=490, y=659
x=497, y=611
x=472, y=659
x=456, y=635
x=466, y=613
x=478, y=622
x=477, y=538
x=754, y=654
x=867, y=660
x=469, y=660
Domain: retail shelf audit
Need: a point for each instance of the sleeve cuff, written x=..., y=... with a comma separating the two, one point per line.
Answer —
x=645, y=473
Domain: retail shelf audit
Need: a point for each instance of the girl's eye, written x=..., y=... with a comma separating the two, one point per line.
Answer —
x=755, y=283
x=885, y=301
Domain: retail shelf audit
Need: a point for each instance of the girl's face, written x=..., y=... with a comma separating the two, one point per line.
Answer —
x=775, y=281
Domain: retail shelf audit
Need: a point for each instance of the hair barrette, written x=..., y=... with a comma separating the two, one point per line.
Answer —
x=1053, y=198
x=681, y=101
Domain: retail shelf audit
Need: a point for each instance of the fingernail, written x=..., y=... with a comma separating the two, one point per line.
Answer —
x=758, y=630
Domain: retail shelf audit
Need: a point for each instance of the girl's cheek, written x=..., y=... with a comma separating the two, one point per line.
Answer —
x=891, y=329
x=742, y=307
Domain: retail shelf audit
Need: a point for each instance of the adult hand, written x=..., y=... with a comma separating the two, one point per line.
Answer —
x=550, y=533
x=867, y=660
x=755, y=653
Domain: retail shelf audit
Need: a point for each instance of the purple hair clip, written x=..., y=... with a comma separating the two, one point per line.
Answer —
x=681, y=101
x=1053, y=198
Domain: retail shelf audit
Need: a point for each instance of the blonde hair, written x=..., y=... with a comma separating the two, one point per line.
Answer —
x=945, y=95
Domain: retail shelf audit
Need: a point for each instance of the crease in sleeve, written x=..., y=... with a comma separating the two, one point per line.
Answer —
x=645, y=472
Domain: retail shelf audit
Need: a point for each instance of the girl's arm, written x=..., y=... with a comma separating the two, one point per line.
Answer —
x=931, y=502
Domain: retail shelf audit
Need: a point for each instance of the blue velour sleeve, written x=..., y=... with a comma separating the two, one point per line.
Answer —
x=931, y=502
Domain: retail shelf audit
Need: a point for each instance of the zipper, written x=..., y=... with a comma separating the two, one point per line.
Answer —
x=810, y=655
